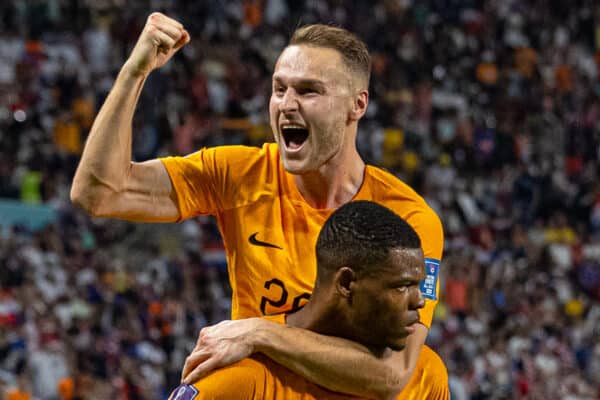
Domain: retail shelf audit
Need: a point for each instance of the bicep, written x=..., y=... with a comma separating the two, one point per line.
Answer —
x=147, y=195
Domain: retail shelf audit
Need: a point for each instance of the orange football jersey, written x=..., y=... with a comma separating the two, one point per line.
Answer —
x=270, y=231
x=259, y=377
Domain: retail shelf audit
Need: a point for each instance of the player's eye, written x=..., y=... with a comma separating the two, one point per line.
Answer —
x=306, y=90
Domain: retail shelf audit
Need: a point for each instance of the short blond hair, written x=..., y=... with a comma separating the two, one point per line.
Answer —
x=353, y=50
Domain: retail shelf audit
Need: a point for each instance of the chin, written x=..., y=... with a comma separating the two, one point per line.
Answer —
x=294, y=167
x=397, y=345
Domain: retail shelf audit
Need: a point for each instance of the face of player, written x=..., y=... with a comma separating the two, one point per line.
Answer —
x=385, y=307
x=310, y=108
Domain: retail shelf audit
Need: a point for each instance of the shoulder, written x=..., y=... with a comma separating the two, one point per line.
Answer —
x=229, y=154
x=236, y=153
x=241, y=380
x=395, y=194
x=388, y=190
x=434, y=363
x=429, y=380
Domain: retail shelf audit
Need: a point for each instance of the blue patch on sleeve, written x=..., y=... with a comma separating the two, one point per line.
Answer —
x=429, y=284
x=184, y=392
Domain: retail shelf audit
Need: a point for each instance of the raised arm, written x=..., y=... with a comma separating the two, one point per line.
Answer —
x=107, y=183
x=334, y=363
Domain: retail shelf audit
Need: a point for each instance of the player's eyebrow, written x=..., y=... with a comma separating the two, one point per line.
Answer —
x=301, y=81
x=407, y=280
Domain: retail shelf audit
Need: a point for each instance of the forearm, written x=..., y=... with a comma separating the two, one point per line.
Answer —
x=335, y=363
x=106, y=158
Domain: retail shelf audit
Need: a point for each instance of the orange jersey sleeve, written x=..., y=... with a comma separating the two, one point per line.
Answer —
x=430, y=379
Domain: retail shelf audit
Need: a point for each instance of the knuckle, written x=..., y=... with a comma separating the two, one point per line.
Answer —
x=154, y=16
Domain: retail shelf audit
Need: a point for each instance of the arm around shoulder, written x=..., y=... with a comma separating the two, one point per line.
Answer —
x=335, y=363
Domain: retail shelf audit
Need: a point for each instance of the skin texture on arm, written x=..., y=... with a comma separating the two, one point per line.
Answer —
x=107, y=183
x=339, y=364
x=334, y=363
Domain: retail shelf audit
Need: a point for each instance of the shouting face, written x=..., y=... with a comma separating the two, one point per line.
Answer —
x=313, y=107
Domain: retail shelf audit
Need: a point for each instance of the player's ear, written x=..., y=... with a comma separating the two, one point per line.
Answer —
x=359, y=105
x=343, y=281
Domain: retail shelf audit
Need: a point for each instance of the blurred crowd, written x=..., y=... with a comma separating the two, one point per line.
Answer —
x=490, y=109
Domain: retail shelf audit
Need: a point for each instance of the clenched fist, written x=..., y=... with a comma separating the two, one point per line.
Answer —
x=161, y=38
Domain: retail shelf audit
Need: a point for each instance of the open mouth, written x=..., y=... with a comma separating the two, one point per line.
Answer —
x=294, y=136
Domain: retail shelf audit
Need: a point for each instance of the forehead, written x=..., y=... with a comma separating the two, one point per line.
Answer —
x=406, y=264
x=310, y=62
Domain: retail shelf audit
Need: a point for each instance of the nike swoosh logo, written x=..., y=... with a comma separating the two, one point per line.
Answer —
x=253, y=240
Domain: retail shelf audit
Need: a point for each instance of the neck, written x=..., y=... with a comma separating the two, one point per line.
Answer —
x=319, y=315
x=323, y=317
x=334, y=184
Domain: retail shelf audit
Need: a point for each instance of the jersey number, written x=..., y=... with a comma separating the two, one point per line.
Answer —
x=282, y=298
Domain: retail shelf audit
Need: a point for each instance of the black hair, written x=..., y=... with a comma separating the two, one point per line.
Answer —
x=360, y=235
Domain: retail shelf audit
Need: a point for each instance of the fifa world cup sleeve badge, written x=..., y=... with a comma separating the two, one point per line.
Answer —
x=429, y=284
x=184, y=392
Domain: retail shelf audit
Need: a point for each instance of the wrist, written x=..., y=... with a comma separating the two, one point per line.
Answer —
x=130, y=72
x=261, y=337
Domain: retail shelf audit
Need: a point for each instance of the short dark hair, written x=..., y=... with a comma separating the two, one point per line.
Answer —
x=353, y=50
x=360, y=235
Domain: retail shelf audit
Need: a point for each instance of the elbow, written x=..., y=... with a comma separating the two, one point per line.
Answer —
x=86, y=198
x=79, y=199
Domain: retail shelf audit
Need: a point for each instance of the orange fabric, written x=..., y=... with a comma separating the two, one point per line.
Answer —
x=252, y=13
x=66, y=388
x=487, y=73
x=17, y=394
x=430, y=379
x=526, y=60
x=83, y=110
x=564, y=79
x=256, y=200
x=259, y=377
x=67, y=135
x=154, y=308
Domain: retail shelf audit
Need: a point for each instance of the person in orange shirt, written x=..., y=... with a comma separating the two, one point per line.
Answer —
x=367, y=292
x=269, y=201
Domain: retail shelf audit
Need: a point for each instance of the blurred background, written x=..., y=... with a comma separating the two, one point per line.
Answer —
x=489, y=109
